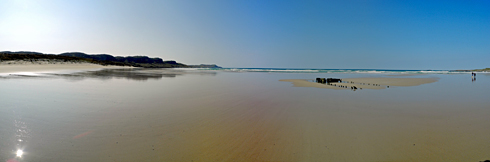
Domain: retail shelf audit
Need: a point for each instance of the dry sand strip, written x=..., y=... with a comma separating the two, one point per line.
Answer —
x=363, y=83
x=37, y=68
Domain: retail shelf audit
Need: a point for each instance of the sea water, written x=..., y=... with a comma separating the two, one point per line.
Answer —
x=342, y=71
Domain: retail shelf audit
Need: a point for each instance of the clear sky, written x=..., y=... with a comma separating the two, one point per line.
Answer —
x=363, y=34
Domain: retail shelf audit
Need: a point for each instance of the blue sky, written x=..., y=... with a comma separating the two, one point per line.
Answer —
x=247, y=33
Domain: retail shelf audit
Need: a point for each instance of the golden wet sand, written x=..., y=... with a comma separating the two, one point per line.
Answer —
x=266, y=131
x=268, y=127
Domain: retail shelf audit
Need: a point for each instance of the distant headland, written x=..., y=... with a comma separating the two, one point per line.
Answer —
x=102, y=59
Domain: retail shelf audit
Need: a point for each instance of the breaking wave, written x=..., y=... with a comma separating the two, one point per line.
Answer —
x=364, y=71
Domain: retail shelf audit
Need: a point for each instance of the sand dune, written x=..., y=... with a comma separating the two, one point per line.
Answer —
x=19, y=66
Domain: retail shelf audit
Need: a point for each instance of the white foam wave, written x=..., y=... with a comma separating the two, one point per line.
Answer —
x=361, y=71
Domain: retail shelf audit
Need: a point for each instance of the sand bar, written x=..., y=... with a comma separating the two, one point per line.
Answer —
x=363, y=83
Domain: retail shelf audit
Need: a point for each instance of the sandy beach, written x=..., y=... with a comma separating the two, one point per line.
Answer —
x=39, y=66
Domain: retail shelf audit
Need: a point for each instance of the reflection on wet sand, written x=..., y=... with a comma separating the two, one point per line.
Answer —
x=138, y=74
x=240, y=117
x=17, y=140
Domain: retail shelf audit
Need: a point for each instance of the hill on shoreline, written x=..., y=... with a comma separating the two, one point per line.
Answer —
x=102, y=59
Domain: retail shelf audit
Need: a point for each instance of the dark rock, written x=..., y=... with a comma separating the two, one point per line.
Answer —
x=333, y=80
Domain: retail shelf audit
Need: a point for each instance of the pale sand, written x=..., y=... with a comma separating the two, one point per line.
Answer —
x=20, y=68
x=364, y=83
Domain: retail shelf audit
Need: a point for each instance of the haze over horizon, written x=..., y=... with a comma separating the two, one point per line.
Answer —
x=263, y=34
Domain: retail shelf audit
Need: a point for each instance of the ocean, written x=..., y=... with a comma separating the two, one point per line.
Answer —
x=343, y=71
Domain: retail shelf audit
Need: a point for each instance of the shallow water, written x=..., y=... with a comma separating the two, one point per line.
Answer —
x=192, y=115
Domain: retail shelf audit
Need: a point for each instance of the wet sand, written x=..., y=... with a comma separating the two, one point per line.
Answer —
x=243, y=117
